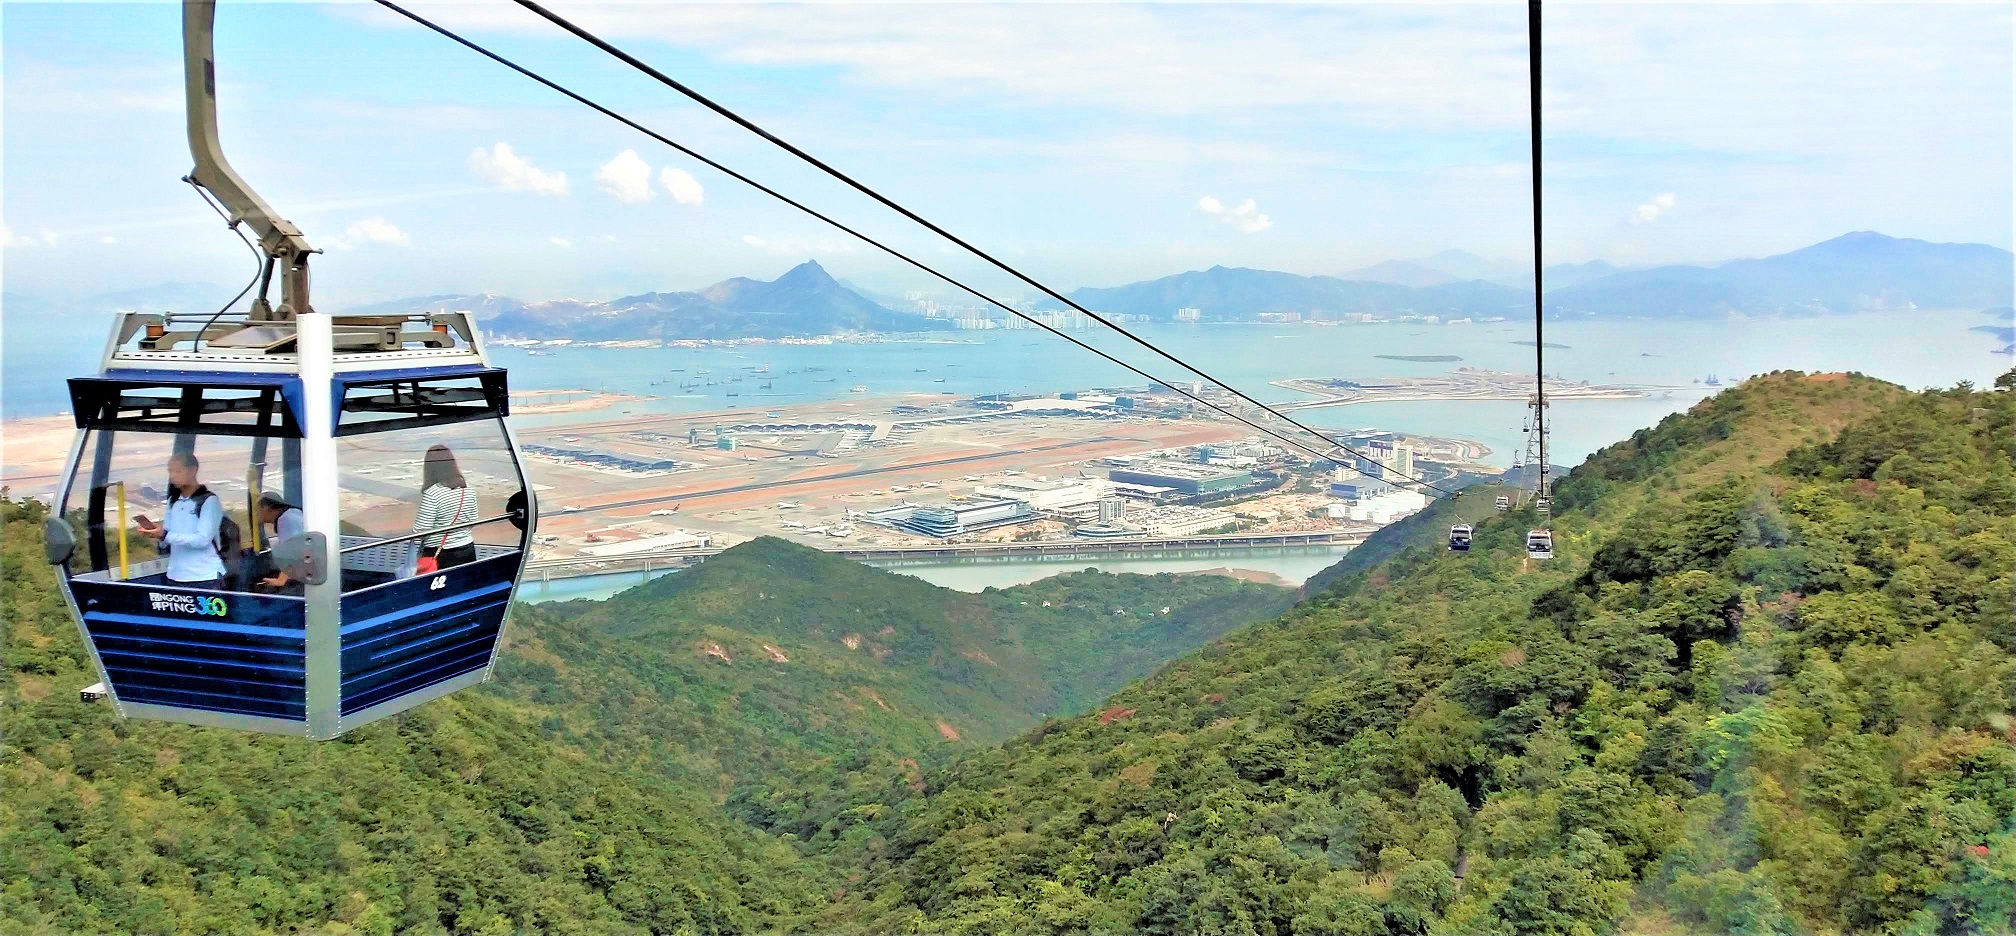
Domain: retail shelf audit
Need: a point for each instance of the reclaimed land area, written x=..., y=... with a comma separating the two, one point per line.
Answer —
x=1461, y=384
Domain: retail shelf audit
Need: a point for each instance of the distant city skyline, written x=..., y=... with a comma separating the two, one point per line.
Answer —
x=1093, y=145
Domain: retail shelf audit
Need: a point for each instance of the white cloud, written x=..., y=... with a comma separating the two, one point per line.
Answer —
x=376, y=231
x=626, y=178
x=108, y=240
x=1246, y=217
x=47, y=238
x=502, y=167
x=560, y=242
x=1422, y=65
x=681, y=185
x=1652, y=210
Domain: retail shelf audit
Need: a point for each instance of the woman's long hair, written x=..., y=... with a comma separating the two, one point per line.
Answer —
x=440, y=469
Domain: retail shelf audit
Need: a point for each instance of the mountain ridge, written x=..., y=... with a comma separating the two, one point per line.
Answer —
x=1858, y=271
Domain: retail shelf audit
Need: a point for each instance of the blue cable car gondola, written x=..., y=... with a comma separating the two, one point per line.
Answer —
x=1459, y=538
x=374, y=448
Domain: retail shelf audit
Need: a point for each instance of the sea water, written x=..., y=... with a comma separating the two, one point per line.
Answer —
x=1916, y=349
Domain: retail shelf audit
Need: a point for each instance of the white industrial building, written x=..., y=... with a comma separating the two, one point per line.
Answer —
x=678, y=539
x=1385, y=507
x=1045, y=495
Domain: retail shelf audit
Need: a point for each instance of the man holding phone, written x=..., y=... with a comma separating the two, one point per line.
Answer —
x=188, y=531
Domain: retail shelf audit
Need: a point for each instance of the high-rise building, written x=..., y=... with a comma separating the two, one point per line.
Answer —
x=1112, y=509
x=1189, y=315
x=1391, y=460
x=1402, y=462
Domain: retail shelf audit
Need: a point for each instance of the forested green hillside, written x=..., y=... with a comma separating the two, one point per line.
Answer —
x=772, y=658
x=581, y=790
x=461, y=815
x=1766, y=687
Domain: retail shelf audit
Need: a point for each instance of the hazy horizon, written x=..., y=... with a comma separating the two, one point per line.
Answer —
x=774, y=268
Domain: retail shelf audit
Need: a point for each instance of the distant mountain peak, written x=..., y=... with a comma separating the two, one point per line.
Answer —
x=808, y=274
x=805, y=301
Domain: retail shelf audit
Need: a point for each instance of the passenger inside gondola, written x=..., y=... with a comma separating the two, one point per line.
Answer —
x=418, y=501
x=278, y=520
x=445, y=501
x=192, y=528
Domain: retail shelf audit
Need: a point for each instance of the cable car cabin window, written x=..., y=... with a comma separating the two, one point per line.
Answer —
x=395, y=486
x=133, y=524
x=395, y=403
x=253, y=406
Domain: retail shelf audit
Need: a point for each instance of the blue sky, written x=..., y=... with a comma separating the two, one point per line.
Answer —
x=1093, y=144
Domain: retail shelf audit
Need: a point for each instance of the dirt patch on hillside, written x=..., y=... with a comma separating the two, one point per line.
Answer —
x=1256, y=576
x=1141, y=774
x=950, y=733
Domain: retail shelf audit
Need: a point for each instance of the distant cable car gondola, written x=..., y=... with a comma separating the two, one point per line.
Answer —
x=1459, y=538
x=1540, y=544
x=1504, y=503
x=410, y=517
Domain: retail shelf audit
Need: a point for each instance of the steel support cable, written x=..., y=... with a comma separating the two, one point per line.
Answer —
x=743, y=122
x=1539, y=339
x=258, y=261
x=899, y=255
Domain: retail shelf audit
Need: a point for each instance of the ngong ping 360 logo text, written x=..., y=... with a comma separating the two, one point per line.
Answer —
x=188, y=604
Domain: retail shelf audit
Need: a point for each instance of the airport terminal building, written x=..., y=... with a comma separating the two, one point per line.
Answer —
x=948, y=520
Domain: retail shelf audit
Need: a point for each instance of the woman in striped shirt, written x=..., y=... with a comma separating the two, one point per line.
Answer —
x=445, y=499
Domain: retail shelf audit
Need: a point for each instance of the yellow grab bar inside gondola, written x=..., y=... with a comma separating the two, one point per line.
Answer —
x=254, y=474
x=121, y=486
